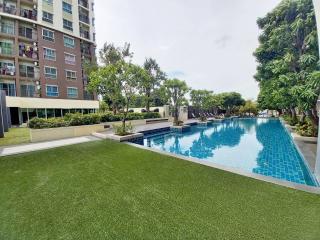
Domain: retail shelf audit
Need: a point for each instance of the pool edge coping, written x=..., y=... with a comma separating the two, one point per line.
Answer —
x=283, y=183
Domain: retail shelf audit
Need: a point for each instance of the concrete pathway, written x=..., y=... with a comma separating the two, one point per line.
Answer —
x=12, y=150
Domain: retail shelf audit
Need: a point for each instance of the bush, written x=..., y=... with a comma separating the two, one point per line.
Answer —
x=203, y=118
x=151, y=115
x=122, y=131
x=77, y=119
x=290, y=120
x=307, y=129
x=40, y=123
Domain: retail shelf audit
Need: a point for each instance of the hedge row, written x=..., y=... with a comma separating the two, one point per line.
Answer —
x=78, y=119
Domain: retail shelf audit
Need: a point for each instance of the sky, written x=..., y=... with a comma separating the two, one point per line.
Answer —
x=207, y=43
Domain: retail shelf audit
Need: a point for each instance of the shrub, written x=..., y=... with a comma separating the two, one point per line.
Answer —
x=307, y=128
x=292, y=121
x=77, y=119
x=122, y=131
x=147, y=115
x=40, y=123
x=203, y=118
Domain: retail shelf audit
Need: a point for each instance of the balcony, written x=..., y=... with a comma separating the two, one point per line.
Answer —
x=29, y=14
x=84, y=18
x=8, y=7
x=84, y=33
x=83, y=3
x=28, y=51
x=7, y=70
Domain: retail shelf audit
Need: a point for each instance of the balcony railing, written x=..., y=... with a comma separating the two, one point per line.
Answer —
x=7, y=8
x=8, y=70
x=84, y=18
x=84, y=34
x=30, y=14
x=28, y=51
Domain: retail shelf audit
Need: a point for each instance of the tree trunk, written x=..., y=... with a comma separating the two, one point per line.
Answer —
x=303, y=117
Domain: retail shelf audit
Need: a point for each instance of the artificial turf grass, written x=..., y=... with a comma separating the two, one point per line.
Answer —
x=106, y=190
x=15, y=136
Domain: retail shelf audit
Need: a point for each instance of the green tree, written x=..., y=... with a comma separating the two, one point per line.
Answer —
x=288, y=58
x=175, y=91
x=148, y=86
x=110, y=54
x=231, y=101
x=201, y=99
x=249, y=107
x=119, y=82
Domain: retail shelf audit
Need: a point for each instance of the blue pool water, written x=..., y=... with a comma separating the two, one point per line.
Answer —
x=260, y=146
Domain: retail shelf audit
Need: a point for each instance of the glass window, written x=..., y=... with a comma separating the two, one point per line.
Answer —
x=41, y=113
x=26, y=71
x=27, y=90
x=66, y=7
x=68, y=42
x=65, y=111
x=71, y=75
x=48, y=35
x=32, y=113
x=57, y=113
x=70, y=58
x=52, y=91
x=49, y=54
x=67, y=25
x=25, y=32
x=47, y=17
x=9, y=88
x=50, y=72
x=50, y=113
x=7, y=26
x=72, y=92
x=6, y=47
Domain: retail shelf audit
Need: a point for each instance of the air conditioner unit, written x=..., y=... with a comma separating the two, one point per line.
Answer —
x=36, y=63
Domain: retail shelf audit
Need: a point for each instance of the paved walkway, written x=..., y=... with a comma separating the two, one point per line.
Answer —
x=12, y=150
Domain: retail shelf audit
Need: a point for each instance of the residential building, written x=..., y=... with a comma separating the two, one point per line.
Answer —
x=43, y=46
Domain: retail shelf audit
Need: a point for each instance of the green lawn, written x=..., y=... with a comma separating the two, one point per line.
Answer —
x=106, y=190
x=15, y=136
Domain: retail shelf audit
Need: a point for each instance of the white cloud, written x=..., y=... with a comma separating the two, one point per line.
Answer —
x=209, y=41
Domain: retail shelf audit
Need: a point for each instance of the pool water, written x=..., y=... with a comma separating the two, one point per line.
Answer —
x=261, y=146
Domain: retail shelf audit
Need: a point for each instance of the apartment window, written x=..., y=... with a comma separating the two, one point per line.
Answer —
x=50, y=2
x=26, y=71
x=9, y=88
x=67, y=25
x=48, y=35
x=25, y=32
x=70, y=58
x=47, y=17
x=27, y=90
x=72, y=92
x=66, y=7
x=50, y=72
x=68, y=42
x=52, y=90
x=71, y=75
x=7, y=27
x=7, y=68
x=6, y=47
x=49, y=54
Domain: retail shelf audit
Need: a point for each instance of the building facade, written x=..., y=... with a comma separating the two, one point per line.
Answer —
x=43, y=46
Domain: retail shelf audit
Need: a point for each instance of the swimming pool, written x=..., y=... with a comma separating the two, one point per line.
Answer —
x=260, y=146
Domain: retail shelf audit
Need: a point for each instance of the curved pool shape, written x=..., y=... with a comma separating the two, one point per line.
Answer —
x=261, y=146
